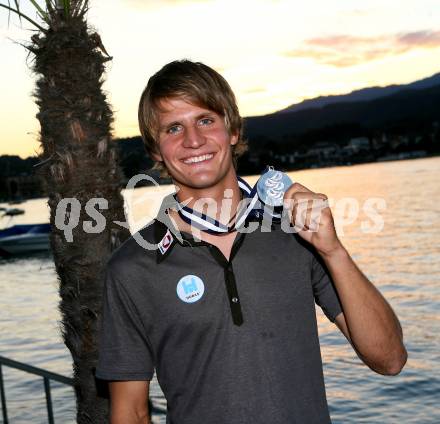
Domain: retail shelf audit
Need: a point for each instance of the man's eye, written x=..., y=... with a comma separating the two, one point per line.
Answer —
x=206, y=121
x=173, y=130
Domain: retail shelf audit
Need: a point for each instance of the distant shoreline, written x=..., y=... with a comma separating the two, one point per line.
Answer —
x=164, y=182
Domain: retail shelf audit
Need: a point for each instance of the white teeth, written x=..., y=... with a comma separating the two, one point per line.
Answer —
x=198, y=158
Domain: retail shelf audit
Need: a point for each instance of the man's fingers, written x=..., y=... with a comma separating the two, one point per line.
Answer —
x=306, y=213
x=304, y=206
x=296, y=188
x=304, y=198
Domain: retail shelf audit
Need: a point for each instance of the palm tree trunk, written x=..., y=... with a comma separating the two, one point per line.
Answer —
x=80, y=162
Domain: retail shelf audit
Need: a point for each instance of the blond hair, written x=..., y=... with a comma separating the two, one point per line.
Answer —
x=202, y=86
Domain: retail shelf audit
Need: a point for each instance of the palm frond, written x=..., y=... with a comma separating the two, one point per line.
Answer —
x=66, y=7
x=22, y=15
x=79, y=7
x=9, y=14
x=17, y=6
x=43, y=14
x=83, y=10
x=69, y=8
x=50, y=6
x=75, y=7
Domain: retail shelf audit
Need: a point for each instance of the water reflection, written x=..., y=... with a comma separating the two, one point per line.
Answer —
x=402, y=260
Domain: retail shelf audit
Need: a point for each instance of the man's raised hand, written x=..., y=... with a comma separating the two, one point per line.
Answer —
x=312, y=218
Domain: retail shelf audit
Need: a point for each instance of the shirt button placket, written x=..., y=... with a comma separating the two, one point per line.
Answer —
x=234, y=301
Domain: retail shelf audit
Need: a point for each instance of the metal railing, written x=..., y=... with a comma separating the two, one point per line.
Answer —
x=47, y=376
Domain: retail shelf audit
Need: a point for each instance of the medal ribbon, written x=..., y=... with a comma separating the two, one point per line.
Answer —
x=254, y=207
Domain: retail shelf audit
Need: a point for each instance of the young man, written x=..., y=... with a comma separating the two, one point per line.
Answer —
x=227, y=318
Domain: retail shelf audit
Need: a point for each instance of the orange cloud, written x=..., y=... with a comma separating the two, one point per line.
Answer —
x=348, y=50
x=420, y=39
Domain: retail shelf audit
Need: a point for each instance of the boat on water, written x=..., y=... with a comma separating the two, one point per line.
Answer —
x=24, y=238
x=12, y=211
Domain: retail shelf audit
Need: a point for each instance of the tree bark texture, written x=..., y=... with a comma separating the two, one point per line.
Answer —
x=79, y=161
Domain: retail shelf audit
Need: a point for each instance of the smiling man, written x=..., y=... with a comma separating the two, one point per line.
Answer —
x=227, y=318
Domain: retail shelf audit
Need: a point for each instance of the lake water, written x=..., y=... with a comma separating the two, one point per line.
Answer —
x=402, y=259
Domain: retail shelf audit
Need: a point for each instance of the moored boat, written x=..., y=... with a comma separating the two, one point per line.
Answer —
x=24, y=238
x=12, y=211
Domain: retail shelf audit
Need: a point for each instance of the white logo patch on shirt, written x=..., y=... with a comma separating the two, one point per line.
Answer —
x=190, y=288
x=166, y=242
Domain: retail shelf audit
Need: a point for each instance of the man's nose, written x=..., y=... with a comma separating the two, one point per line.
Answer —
x=193, y=137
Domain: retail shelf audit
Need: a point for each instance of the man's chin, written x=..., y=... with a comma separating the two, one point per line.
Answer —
x=197, y=182
x=201, y=183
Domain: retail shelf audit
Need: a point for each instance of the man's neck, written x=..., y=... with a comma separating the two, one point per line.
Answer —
x=219, y=201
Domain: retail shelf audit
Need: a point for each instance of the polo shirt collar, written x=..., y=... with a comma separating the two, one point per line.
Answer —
x=166, y=236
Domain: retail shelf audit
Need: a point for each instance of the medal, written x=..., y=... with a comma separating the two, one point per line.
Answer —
x=271, y=187
x=268, y=191
x=210, y=225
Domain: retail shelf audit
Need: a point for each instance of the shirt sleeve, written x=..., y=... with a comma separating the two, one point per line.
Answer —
x=324, y=290
x=124, y=350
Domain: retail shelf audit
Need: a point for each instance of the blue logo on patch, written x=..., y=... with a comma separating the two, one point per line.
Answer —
x=190, y=288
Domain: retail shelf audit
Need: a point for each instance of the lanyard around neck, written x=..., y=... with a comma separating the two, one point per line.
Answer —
x=271, y=185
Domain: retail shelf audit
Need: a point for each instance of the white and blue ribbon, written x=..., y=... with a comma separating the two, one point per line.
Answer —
x=254, y=207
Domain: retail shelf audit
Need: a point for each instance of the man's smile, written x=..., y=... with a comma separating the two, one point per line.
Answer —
x=198, y=159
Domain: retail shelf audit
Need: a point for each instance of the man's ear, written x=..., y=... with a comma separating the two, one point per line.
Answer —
x=157, y=156
x=234, y=139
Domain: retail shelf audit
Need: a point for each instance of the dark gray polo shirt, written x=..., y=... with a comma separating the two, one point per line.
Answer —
x=232, y=342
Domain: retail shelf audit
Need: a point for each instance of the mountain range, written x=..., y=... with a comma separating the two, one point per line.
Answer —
x=370, y=108
x=364, y=94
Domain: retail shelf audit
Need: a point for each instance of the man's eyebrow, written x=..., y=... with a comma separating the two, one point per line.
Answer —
x=168, y=125
x=201, y=115
x=208, y=113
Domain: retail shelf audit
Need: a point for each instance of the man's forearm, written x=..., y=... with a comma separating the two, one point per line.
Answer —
x=129, y=418
x=372, y=325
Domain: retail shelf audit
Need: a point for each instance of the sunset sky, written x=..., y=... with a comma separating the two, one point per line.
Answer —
x=273, y=53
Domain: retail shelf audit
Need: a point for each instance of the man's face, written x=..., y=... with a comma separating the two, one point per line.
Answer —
x=194, y=144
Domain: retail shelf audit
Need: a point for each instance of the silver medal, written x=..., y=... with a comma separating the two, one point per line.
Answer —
x=271, y=187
